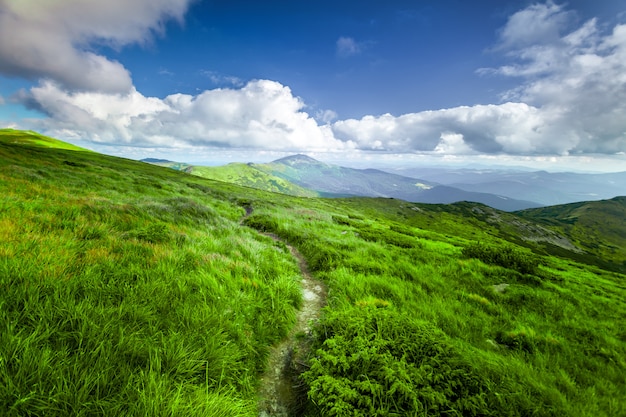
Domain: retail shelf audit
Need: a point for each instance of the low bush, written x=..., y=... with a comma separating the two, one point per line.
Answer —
x=504, y=256
x=262, y=223
x=376, y=362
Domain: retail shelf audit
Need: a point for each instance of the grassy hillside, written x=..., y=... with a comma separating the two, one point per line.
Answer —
x=36, y=139
x=598, y=227
x=249, y=176
x=129, y=289
x=132, y=289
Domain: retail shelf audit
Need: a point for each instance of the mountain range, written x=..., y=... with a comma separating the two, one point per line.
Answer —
x=298, y=173
x=542, y=187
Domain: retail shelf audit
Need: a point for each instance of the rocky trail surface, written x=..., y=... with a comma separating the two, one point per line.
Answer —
x=282, y=394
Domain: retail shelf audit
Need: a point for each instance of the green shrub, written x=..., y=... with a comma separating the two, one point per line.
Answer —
x=389, y=237
x=262, y=223
x=504, y=256
x=377, y=362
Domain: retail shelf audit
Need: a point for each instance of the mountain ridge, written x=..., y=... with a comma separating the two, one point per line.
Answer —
x=336, y=181
x=546, y=188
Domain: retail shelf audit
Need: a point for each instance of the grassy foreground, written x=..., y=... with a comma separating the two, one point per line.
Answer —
x=131, y=289
x=128, y=289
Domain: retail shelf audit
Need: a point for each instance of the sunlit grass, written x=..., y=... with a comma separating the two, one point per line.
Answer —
x=129, y=289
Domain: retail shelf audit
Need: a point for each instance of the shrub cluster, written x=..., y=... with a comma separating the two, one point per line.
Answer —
x=505, y=256
x=377, y=362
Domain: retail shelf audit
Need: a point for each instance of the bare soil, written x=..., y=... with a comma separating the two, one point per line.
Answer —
x=282, y=393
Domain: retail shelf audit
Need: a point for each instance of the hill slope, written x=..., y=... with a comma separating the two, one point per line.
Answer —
x=300, y=175
x=36, y=139
x=147, y=275
x=597, y=227
x=334, y=180
x=249, y=176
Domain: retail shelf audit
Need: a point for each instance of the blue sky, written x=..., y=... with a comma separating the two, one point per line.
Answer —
x=447, y=82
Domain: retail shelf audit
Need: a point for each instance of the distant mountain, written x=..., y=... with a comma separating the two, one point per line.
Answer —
x=335, y=180
x=302, y=175
x=178, y=166
x=249, y=176
x=543, y=187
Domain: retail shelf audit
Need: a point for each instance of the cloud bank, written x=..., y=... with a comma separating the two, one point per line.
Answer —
x=571, y=97
x=571, y=100
x=54, y=39
x=261, y=115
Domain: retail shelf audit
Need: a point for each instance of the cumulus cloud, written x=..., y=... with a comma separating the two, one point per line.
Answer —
x=53, y=39
x=538, y=23
x=572, y=98
x=577, y=77
x=509, y=128
x=261, y=115
x=347, y=47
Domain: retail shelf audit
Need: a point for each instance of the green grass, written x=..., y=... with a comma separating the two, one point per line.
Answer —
x=597, y=227
x=248, y=175
x=132, y=289
x=36, y=139
x=550, y=344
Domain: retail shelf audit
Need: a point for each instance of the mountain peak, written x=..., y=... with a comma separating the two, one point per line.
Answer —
x=299, y=159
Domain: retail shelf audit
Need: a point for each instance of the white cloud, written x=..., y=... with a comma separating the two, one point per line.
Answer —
x=261, y=115
x=347, y=47
x=451, y=144
x=326, y=116
x=220, y=79
x=52, y=39
x=538, y=23
x=507, y=128
x=165, y=72
x=576, y=78
x=572, y=99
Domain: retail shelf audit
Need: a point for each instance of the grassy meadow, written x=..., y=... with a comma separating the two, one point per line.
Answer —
x=134, y=290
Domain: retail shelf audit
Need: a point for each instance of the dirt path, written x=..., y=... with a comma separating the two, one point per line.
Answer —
x=281, y=393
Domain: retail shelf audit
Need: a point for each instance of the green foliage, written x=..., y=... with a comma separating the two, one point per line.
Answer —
x=262, y=223
x=250, y=175
x=504, y=256
x=376, y=362
x=35, y=139
x=597, y=227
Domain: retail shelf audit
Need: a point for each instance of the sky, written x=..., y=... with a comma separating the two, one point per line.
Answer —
x=367, y=83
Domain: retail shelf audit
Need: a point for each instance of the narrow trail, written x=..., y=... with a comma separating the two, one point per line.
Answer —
x=281, y=393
